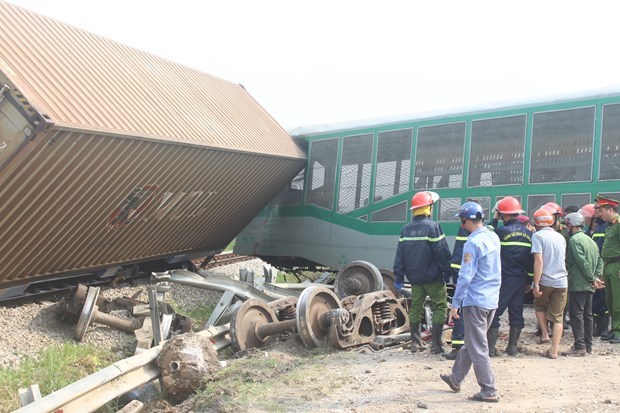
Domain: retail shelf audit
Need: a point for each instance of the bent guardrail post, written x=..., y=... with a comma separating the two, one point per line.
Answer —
x=92, y=392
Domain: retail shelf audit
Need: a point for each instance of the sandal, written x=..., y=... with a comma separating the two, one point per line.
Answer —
x=541, y=341
x=547, y=355
x=480, y=398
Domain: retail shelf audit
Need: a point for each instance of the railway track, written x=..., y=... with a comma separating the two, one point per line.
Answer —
x=226, y=259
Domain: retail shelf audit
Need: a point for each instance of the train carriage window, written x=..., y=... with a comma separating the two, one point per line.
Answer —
x=393, y=163
x=610, y=147
x=577, y=200
x=322, y=174
x=448, y=208
x=355, y=173
x=439, y=156
x=394, y=213
x=534, y=202
x=497, y=150
x=292, y=194
x=562, y=146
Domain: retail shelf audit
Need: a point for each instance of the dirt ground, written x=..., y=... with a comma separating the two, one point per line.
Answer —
x=396, y=380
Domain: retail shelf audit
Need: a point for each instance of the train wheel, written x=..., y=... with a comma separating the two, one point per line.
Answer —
x=87, y=314
x=313, y=305
x=357, y=278
x=245, y=322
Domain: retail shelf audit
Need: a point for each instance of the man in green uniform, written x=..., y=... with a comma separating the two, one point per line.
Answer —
x=611, y=259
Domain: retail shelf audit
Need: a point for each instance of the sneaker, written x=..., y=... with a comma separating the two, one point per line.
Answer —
x=448, y=379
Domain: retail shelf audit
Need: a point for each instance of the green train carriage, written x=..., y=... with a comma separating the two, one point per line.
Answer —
x=352, y=198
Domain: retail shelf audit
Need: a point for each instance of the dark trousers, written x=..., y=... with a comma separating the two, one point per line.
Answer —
x=598, y=303
x=581, y=321
x=511, y=296
x=458, y=331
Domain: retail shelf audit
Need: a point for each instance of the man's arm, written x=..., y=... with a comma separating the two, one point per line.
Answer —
x=538, y=266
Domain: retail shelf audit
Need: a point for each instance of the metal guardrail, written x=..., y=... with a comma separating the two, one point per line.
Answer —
x=92, y=392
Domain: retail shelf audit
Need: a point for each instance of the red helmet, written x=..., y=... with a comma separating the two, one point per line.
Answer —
x=554, y=208
x=509, y=205
x=543, y=218
x=421, y=199
x=587, y=210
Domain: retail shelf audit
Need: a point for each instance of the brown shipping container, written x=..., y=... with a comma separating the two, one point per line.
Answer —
x=111, y=156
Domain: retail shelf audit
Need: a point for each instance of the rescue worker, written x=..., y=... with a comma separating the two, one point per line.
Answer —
x=585, y=268
x=423, y=257
x=517, y=262
x=600, y=313
x=611, y=259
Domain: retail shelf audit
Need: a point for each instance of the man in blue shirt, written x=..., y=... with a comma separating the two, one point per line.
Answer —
x=477, y=295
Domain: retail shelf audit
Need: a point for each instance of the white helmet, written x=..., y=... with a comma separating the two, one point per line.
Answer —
x=575, y=219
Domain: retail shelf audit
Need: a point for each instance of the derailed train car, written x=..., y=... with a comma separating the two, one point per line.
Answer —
x=111, y=157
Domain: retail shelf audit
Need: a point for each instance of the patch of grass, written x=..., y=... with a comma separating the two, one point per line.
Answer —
x=199, y=315
x=285, y=277
x=52, y=369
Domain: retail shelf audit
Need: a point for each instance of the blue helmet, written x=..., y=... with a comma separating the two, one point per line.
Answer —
x=470, y=210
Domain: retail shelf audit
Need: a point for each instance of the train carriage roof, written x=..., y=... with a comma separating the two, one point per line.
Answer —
x=82, y=81
x=325, y=128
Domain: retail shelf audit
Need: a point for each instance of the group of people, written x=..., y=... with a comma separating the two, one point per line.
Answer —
x=570, y=260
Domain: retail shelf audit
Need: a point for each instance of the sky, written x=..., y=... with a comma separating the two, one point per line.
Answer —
x=310, y=62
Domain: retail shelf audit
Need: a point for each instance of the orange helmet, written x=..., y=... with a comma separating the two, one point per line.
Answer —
x=422, y=199
x=509, y=205
x=587, y=210
x=543, y=218
x=554, y=208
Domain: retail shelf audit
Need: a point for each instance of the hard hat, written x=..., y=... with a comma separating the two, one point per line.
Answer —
x=575, y=219
x=422, y=199
x=554, y=208
x=470, y=210
x=434, y=196
x=543, y=218
x=587, y=210
x=509, y=205
x=494, y=209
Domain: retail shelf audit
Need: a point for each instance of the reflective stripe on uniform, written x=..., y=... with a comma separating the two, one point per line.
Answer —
x=515, y=243
x=457, y=266
x=458, y=342
x=531, y=274
x=439, y=238
x=598, y=235
x=461, y=238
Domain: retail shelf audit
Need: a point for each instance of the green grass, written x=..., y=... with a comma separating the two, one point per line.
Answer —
x=52, y=369
x=230, y=246
x=199, y=315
